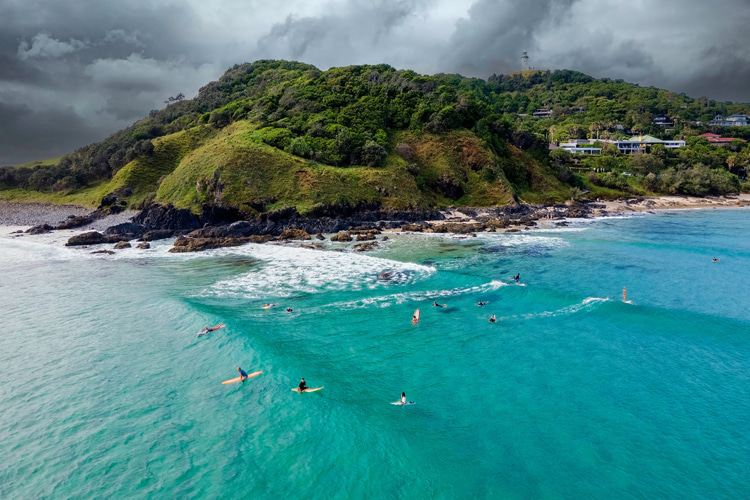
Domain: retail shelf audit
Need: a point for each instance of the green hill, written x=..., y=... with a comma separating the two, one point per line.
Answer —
x=275, y=133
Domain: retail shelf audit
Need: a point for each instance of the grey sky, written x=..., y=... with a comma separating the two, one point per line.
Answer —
x=73, y=72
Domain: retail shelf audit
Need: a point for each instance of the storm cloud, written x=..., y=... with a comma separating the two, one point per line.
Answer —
x=73, y=72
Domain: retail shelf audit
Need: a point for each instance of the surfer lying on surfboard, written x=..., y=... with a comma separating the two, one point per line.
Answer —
x=435, y=304
x=206, y=329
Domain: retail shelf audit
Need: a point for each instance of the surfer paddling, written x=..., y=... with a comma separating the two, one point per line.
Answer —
x=714, y=260
x=493, y=319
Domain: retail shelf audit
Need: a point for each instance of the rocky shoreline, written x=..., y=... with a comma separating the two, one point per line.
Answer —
x=214, y=230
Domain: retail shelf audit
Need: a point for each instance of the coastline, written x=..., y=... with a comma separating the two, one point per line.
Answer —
x=21, y=217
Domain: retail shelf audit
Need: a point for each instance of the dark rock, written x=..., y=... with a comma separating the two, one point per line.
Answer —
x=364, y=247
x=320, y=236
x=145, y=245
x=416, y=228
x=41, y=229
x=126, y=228
x=187, y=244
x=341, y=237
x=90, y=238
x=157, y=234
x=157, y=216
x=365, y=237
x=513, y=230
x=122, y=244
x=108, y=252
x=294, y=234
x=75, y=222
x=385, y=238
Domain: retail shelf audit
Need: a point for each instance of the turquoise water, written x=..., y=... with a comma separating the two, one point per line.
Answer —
x=107, y=392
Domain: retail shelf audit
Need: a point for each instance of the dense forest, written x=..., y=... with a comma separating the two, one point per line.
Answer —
x=358, y=116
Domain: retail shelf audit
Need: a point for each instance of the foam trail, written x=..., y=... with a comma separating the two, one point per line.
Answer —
x=287, y=271
x=587, y=304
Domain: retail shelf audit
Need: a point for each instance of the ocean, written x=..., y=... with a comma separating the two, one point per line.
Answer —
x=106, y=391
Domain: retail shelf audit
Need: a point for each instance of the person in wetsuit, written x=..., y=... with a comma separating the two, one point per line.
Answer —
x=493, y=319
x=302, y=386
x=403, y=398
x=243, y=375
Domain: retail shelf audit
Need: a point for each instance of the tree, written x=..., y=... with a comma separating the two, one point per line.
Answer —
x=611, y=150
x=645, y=163
x=373, y=153
x=179, y=97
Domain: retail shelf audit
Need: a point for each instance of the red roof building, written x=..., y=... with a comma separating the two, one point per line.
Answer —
x=717, y=141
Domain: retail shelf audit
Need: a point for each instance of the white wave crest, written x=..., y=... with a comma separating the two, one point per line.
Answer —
x=288, y=271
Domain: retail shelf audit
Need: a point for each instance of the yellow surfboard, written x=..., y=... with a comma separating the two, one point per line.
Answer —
x=239, y=379
x=296, y=389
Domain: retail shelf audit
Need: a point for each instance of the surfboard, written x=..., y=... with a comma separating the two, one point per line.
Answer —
x=296, y=389
x=267, y=306
x=217, y=327
x=238, y=379
x=399, y=403
x=415, y=318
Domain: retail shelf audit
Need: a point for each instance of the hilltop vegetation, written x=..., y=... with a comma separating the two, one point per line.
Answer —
x=275, y=132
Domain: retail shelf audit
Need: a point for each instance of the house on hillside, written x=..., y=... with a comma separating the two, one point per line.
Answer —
x=663, y=122
x=730, y=121
x=542, y=113
x=718, y=141
x=580, y=146
x=642, y=144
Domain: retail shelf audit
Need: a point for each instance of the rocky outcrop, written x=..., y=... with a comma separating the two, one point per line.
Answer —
x=90, y=238
x=185, y=244
x=341, y=237
x=40, y=229
x=320, y=237
x=294, y=234
x=74, y=222
x=121, y=245
x=144, y=245
x=157, y=216
x=130, y=230
x=364, y=247
x=107, y=252
x=157, y=234
x=94, y=238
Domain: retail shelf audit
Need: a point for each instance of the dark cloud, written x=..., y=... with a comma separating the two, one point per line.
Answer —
x=495, y=33
x=73, y=72
x=48, y=134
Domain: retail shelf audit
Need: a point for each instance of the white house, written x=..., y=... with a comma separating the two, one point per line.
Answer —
x=731, y=121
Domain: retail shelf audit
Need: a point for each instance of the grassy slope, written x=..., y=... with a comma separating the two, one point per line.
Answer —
x=227, y=167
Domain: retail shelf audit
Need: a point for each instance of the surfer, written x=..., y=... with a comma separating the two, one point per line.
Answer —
x=206, y=329
x=302, y=386
x=289, y=309
x=715, y=259
x=517, y=277
x=480, y=303
x=243, y=375
x=403, y=398
x=624, y=294
x=493, y=319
